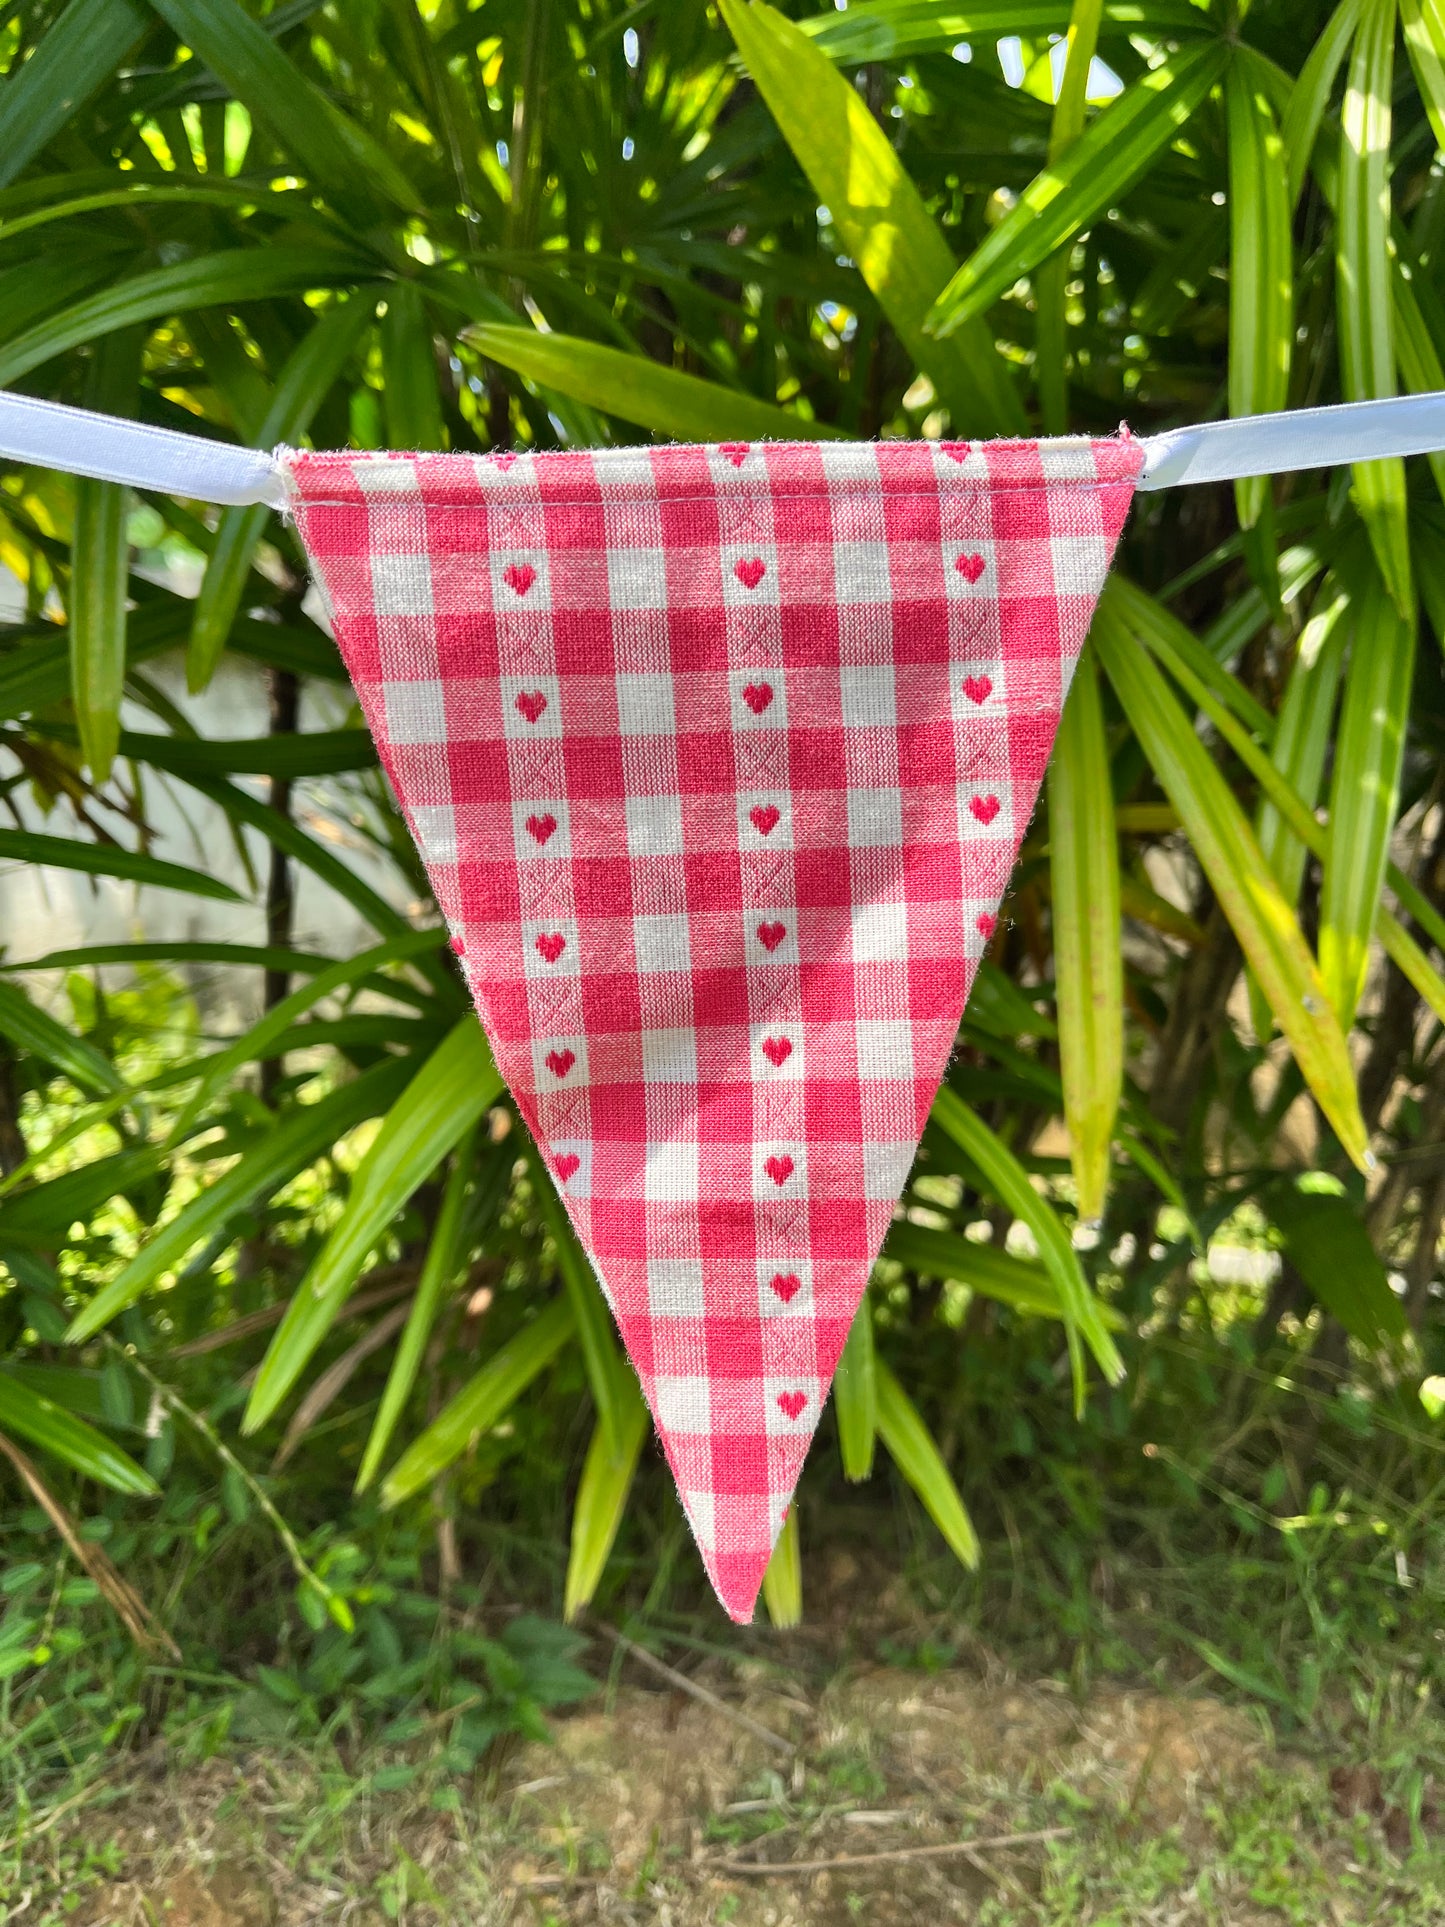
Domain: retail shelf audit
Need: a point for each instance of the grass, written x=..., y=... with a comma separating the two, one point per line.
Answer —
x=1167, y=1808
x=1232, y=1712
x=1203, y=1638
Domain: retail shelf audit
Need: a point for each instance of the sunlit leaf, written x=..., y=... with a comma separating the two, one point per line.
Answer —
x=444, y=1258
x=108, y=860
x=1267, y=929
x=1082, y=183
x=888, y=29
x=1088, y=968
x=443, y=1100
x=1051, y=280
x=300, y=390
x=876, y=209
x=602, y=1494
x=409, y=370
x=1326, y=1239
x=28, y=1414
x=1311, y=92
x=1365, y=282
x=855, y=1396
x=79, y=51
x=783, y=1576
x=1006, y=1178
x=1261, y=253
x=331, y=146
x=662, y=399
x=1364, y=789
x=482, y=1403
x=294, y=1143
x=912, y=1448
x=205, y=280
x=34, y=1030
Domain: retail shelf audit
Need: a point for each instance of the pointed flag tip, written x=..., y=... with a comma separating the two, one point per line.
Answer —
x=737, y=1579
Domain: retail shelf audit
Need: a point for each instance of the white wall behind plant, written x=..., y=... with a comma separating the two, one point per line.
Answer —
x=48, y=909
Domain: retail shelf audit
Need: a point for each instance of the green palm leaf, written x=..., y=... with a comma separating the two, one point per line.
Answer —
x=443, y=1100
x=1365, y=282
x=1082, y=183
x=876, y=209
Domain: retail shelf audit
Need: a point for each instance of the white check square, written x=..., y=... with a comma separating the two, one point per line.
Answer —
x=636, y=578
x=875, y=819
x=416, y=712
x=1079, y=561
x=682, y=1404
x=885, y=1168
x=645, y=705
x=868, y=697
x=701, y=1510
x=654, y=825
x=661, y=943
x=880, y=932
x=674, y=1288
x=401, y=585
x=669, y=1056
x=436, y=831
x=861, y=572
x=885, y=1048
x=669, y=1173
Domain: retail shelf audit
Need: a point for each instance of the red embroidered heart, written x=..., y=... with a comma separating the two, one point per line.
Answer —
x=519, y=576
x=777, y=1050
x=985, y=808
x=736, y=452
x=787, y=1284
x=566, y=1164
x=978, y=689
x=791, y=1403
x=757, y=696
x=970, y=567
x=531, y=703
x=559, y=1062
x=551, y=944
x=956, y=451
x=542, y=827
x=764, y=818
x=770, y=935
x=503, y=461
x=750, y=571
x=458, y=947
x=779, y=1169
x=986, y=924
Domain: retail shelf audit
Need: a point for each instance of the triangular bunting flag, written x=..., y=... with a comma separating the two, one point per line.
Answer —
x=719, y=759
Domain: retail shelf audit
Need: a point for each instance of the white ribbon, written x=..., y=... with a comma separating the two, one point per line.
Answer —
x=1352, y=431
x=110, y=450
x=81, y=443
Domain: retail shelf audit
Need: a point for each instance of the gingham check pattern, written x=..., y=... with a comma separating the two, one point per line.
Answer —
x=719, y=759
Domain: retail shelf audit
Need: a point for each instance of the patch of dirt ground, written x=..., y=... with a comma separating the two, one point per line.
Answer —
x=892, y=1796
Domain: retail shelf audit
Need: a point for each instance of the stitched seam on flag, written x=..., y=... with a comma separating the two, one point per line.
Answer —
x=825, y=491
x=613, y=457
x=946, y=484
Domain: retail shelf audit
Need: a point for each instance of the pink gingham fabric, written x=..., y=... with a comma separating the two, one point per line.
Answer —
x=719, y=759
